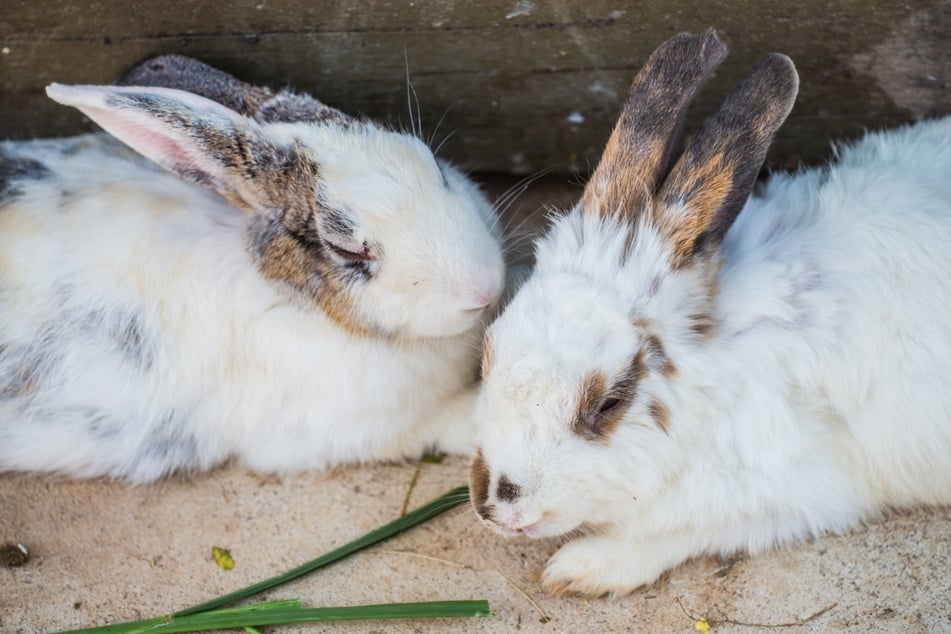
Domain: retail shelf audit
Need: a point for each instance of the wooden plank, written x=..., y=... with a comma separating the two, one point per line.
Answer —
x=523, y=85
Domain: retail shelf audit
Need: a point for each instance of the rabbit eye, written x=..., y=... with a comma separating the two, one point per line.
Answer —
x=352, y=254
x=608, y=405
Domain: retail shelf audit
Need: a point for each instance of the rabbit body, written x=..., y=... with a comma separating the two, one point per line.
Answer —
x=833, y=297
x=664, y=396
x=145, y=326
x=823, y=396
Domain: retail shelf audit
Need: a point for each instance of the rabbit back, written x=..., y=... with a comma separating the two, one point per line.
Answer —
x=839, y=280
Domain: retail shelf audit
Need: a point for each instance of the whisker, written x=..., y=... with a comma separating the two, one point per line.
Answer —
x=522, y=219
x=419, y=113
x=519, y=185
x=409, y=92
x=508, y=198
x=448, y=136
x=512, y=193
x=517, y=248
x=432, y=135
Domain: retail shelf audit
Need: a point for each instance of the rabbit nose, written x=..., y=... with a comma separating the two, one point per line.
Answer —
x=482, y=296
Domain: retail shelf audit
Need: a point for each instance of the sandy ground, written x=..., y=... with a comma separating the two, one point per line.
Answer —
x=104, y=551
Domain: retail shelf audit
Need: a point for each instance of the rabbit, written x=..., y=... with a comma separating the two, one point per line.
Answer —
x=247, y=275
x=689, y=373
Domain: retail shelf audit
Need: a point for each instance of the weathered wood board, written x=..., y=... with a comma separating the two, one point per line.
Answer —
x=521, y=85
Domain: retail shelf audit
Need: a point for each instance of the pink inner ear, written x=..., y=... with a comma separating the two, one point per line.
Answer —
x=173, y=154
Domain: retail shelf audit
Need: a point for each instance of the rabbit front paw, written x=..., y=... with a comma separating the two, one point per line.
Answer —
x=598, y=566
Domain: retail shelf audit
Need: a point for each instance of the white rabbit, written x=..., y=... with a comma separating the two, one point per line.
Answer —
x=299, y=289
x=670, y=384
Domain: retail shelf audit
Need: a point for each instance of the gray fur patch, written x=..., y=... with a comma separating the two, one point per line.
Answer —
x=127, y=333
x=101, y=426
x=336, y=221
x=259, y=102
x=288, y=107
x=24, y=368
x=170, y=444
x=14, y=170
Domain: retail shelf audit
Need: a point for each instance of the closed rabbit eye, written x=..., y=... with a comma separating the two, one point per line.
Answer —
x=353, y=253
x=608, y=405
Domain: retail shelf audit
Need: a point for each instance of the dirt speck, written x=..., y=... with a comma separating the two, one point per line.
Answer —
x=13, y=555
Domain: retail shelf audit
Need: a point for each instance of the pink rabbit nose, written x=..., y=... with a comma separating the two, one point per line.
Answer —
x=483, y=296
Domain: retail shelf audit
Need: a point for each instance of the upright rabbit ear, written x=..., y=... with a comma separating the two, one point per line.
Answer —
x=261, y=103
x=194, y=137
x=710, y=183
x=640, y=148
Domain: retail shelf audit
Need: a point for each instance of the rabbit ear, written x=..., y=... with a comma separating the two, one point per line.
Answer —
x=194, y=137
x=710, y=183
x=261, y=103
x=184, y=73
x=640, y=148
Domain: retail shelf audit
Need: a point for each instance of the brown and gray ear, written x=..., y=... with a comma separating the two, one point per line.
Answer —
x=639, y=150
x=259, y=102
x=198, y=139
x=711, y=181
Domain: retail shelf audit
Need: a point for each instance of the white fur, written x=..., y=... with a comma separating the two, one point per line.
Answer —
x=225, y=363
x=822, y=397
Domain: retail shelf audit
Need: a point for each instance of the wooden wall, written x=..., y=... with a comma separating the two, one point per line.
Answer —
x=522, y=85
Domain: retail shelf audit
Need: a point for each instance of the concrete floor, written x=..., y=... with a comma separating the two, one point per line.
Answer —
x=103, y=552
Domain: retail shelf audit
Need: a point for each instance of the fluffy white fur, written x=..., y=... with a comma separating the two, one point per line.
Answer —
x=137, y=337
x=821, y=398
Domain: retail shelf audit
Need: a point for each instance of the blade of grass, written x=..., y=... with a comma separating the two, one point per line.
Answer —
x=438, y=506
x=286, y=613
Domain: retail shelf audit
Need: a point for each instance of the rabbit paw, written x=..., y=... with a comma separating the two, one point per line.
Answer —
x=598, y=566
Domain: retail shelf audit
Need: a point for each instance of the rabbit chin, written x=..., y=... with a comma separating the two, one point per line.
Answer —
x=439, y=326
x=526, y=519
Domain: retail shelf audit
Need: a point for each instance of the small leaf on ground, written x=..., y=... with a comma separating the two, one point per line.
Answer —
x=222, y=557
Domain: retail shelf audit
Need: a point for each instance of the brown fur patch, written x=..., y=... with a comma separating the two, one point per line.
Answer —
x=591, y=394
x=479, y=478
x=506, y=490
x=701, y=323
x=656, y=357
x=600, y=410
x=488, y=356
x=660, y=414
x=287, y=238
x=306, y=267
x=694, y=196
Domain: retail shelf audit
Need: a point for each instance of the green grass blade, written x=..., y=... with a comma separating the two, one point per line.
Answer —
x=292, y=609
x=438, y=506
x=276, y=614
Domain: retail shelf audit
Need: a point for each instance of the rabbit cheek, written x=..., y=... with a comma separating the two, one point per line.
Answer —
x=304, y=264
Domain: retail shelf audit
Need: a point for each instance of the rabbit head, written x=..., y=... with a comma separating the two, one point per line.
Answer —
x=363, y=222
x=581, y=370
